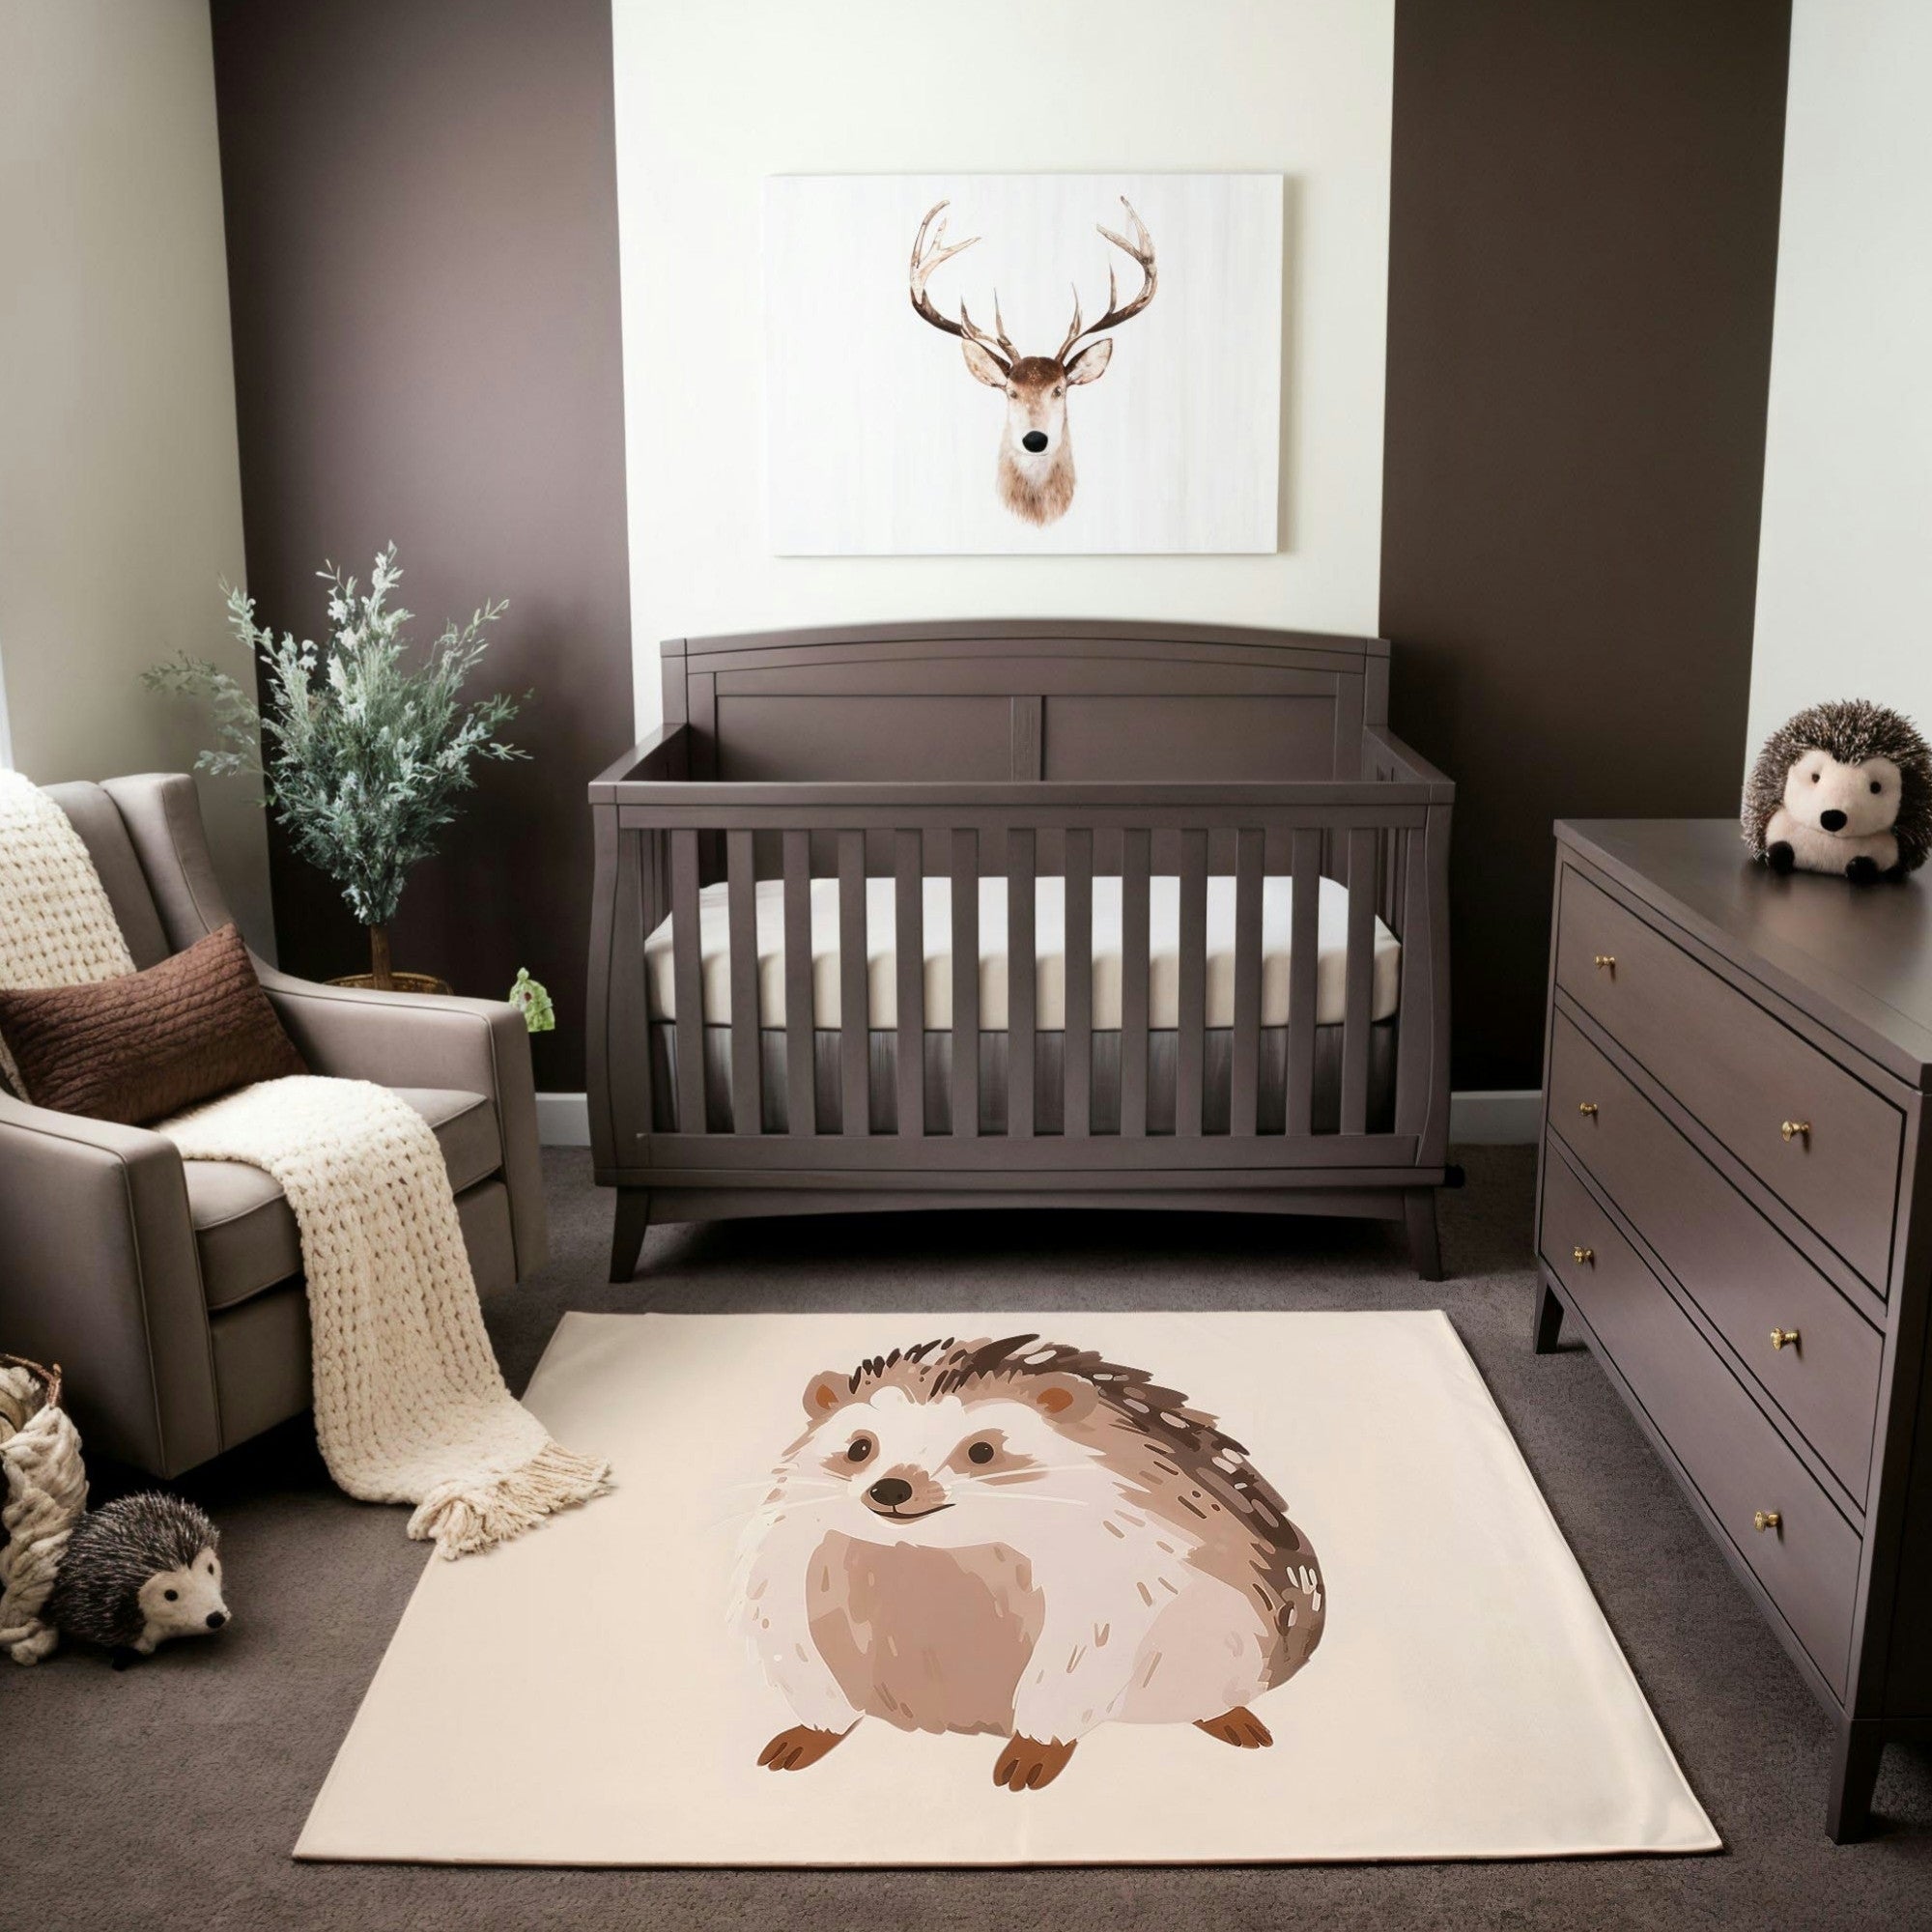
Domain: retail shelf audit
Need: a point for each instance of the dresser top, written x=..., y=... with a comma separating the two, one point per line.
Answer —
x=1857, y=958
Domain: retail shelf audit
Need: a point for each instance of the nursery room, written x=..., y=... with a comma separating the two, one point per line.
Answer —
x=965, y=969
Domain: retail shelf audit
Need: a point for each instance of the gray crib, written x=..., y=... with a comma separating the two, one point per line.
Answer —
x=1180, y=875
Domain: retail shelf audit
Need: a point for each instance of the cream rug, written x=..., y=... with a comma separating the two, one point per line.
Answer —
x=982, y=1568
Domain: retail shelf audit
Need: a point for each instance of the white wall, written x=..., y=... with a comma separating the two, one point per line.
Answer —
x=712, y=97
x=1842, y=596
x=120, y=494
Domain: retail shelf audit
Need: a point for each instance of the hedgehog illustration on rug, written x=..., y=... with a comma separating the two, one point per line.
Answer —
x=1020, y=1538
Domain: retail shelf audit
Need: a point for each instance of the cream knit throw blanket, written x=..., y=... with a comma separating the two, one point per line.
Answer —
x=410, y=1405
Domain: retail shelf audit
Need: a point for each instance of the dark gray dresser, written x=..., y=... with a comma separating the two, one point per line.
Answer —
x=1734, y=1208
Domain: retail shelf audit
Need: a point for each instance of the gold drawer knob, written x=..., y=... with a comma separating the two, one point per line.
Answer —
x=1796, y=1130
x=1765, y=1519
x=1587, y=1108
x=1779, y=1337
x=1582, y=1256
x=1606, y=962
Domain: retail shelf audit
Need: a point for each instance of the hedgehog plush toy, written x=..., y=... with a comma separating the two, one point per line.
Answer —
x=1842, y=788
x=136, y=1573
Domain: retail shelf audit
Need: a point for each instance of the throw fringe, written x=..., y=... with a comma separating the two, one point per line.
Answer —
x=462, y=1517
x=410, y=1404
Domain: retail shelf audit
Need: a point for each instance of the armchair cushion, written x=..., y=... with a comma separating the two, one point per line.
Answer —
x=149, y=1044
x=245, y=1232
x=92, y=813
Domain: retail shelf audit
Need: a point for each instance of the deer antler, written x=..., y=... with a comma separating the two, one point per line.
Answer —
x=923, y=262
x=1140, y=248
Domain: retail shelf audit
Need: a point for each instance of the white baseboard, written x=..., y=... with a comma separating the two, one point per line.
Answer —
x=1503, y=1119
x=563, y=1120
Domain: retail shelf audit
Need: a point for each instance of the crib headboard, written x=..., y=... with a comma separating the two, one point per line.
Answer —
x=1027, y=698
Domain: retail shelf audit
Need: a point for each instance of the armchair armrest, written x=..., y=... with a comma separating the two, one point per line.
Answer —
x=420, y=1039
x=99, y=1271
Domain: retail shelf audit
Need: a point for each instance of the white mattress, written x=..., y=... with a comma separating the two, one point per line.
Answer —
x=1049, y=951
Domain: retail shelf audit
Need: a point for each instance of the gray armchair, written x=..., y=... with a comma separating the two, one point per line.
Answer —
x=171, y=1291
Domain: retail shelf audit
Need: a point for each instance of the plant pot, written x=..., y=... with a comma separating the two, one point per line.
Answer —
x=383, y=978
x=399, y=983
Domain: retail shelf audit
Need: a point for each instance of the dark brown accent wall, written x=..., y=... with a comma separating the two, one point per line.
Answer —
x=1583, y=233
x=422, y=258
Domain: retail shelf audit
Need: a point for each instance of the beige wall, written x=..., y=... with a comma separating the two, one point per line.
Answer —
x=1848, y=444
x=120, y=502
x=713, y=97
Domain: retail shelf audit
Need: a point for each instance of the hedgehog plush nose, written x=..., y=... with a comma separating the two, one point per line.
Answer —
x=1832, y=821
x=890, y=1492
x=217, y=1618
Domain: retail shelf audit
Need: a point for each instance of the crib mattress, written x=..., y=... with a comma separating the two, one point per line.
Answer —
x=1049, y=952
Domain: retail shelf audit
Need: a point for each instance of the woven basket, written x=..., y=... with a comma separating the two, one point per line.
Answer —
x=49, y=1379
x=399, y=983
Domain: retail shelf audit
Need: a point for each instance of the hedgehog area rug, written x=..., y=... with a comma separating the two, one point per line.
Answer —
x=1095, y=1589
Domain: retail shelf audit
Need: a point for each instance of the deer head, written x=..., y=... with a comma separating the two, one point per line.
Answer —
x=1035, y=473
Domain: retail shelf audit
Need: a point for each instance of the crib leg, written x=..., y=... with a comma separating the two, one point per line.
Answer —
x=1418, y=1206
x=627, y=1238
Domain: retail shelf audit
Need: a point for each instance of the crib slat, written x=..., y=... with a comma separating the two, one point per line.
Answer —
x=626, y=912
x=1191, y=1055
x=1077, y=1106
x=800, y=1096
x=1022, y=980
x=687, y=975
x=909, y=941
x=855, y=1103
x=1244, y=1079
x=1361, y=966
x=1136, y=852
x=966, y=984
x=747, y=1088
x=1421, y=1101
x=1304, y=943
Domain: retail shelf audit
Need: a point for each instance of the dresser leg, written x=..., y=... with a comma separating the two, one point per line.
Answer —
x=1418, y=1207
x=1853, y=1775
x=1549, y=1317
x=627, y=1238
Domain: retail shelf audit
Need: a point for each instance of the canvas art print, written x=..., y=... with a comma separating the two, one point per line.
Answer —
x=1021, y=1539
x=1025, y=363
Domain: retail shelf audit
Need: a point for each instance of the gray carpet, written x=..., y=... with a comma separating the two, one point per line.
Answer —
x=170, y=1796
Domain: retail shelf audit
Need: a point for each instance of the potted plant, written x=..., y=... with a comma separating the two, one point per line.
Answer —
x=362, y=752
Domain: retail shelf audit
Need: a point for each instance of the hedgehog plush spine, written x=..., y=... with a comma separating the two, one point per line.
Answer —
x=138, y=1571
x=1844, y=787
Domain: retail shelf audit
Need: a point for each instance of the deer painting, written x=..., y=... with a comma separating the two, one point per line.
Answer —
x=1035, y=472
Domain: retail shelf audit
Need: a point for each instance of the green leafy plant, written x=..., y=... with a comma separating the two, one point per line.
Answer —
x=362, y=749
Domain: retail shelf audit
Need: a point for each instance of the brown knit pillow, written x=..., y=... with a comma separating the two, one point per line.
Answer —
x=145, y=1045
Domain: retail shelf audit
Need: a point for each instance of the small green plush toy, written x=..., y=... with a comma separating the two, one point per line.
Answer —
x=531, y=998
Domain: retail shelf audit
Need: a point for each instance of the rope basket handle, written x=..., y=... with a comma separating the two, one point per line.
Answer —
x=49, y=1379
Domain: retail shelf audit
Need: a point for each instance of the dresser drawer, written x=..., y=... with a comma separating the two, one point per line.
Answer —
x=1808, y=1564
x=1739, y=1270
x=1742, y=1073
